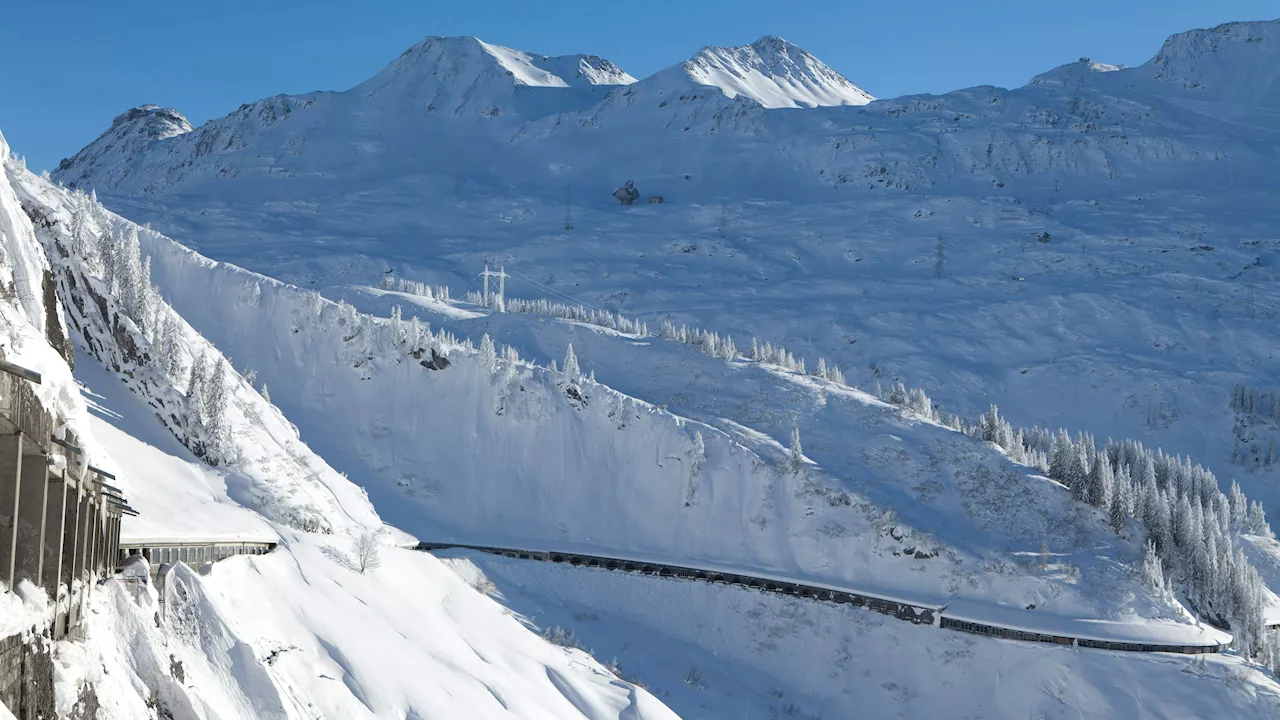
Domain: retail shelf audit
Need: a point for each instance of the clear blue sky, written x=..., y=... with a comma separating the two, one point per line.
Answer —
x=68, y=67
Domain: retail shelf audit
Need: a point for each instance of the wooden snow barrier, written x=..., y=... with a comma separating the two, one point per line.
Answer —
x=913, y=612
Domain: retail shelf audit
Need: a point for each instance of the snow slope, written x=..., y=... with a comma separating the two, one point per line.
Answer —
x=715, y=651
x=298, y=633
x=508, y=454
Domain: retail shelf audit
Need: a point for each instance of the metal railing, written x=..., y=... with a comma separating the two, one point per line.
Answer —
x=920, y=614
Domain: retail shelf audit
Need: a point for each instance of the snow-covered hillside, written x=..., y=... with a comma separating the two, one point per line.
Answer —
x=579, y=465
x=299, y=633
x=1111, y=205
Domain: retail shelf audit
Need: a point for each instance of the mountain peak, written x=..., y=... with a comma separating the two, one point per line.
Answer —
x=1073, y=74
x=470, y=56
x=152, y=121
x=466, y=76
x=130, y=131
x=774, y=72
x=1233, y=63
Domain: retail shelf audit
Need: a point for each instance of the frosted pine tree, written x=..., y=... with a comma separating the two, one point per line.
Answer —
x=195, y=377
x=795, y=455
x=1101, y=482
x=1238, y=507
x=216, y=403
x=1121, y=502
x=168, y=346
x=1152, y=571
x=488, y=355
x=571, y=370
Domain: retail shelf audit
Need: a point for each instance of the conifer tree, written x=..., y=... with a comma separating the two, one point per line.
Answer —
x=1152, y=571
x=571, y=370
x=488, y=355
x=795, y=455
x=217, y=433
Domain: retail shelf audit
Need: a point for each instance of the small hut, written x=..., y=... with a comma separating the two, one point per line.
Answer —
x=627, y=194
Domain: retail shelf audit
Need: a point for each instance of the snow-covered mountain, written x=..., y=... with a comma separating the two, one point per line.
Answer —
x=467, y=76
x=771, y=71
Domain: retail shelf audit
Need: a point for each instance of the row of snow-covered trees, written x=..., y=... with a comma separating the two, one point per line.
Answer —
x=1192, y=529
x=709, y=342
x=413, y=287
x=579, y=313
x=1255, y=403
x=112, y=252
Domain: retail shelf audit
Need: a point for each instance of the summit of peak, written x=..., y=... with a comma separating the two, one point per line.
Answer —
x=774, y=72
x=155, y=121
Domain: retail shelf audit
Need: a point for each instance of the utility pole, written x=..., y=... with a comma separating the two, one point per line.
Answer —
x=568, y=207
x=502, y=276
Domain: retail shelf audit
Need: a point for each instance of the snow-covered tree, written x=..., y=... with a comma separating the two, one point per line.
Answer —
x=168, y=347
x=795, y=454
x=217, y=432
x=195, y=379
x=571, y=370
x=1101, y=482
x=1121, y=500
x=1256, y=522
x=1152, y=571
x=488, y=355
x=364, y=552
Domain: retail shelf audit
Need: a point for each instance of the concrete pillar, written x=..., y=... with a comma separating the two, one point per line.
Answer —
x=29, y=555
x=70, y=533
x=54, y=527
x=10, y=481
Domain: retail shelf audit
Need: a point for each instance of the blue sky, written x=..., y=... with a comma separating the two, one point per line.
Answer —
x=69, y=67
